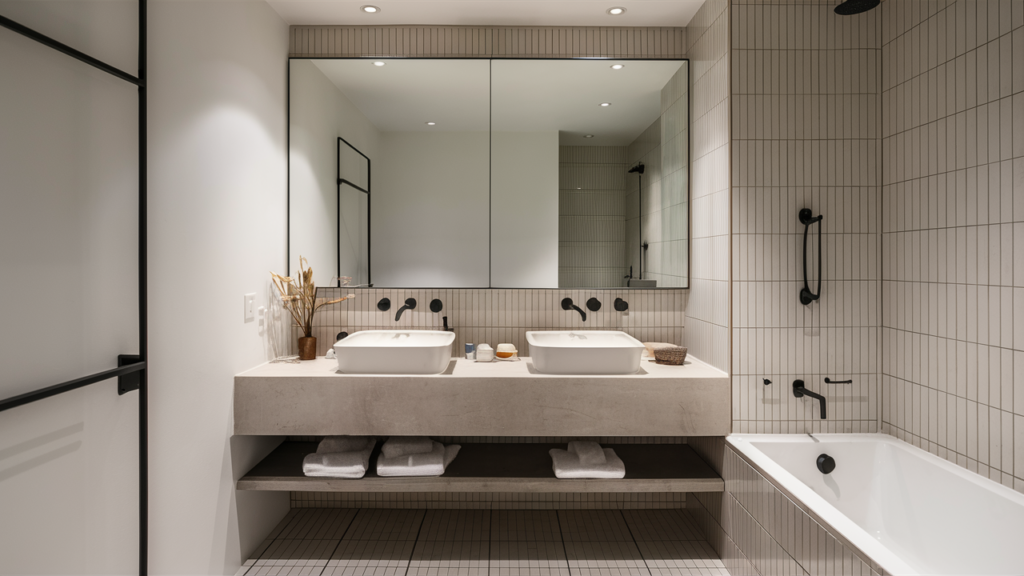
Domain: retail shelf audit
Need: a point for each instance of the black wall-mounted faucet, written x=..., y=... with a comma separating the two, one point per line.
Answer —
x=410, y=304
x=568, y=305
x=799, y=391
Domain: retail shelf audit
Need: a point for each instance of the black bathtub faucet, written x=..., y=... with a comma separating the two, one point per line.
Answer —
x=799, y=391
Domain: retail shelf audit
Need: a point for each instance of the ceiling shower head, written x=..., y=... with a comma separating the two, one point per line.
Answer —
x=851, y=7
x=638, y=168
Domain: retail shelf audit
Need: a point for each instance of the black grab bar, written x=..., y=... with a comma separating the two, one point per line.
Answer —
x=806, y=218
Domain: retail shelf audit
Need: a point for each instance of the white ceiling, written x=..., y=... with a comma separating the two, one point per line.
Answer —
x=527, y=96
x=489, y=12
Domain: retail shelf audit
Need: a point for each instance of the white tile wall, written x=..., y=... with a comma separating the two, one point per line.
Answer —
x=707, y=328
x=503, y=315
x=805, y=100
x=591, y=216
x=953, y=231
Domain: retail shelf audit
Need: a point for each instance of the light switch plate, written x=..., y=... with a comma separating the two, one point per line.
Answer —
x=250, y=307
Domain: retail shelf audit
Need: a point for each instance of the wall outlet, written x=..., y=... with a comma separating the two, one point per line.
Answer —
x=250, y=307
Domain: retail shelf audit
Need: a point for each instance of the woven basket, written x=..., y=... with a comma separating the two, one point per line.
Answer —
x=674, y=356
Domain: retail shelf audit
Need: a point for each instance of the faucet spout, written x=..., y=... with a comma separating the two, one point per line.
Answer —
x=568, y=305
x=799, y=391
x=410, y=304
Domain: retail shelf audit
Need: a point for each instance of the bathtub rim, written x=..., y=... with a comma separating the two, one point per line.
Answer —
x=846, y=531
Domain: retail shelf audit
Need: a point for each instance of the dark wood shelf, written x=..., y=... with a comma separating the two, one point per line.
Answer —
x=498, y=468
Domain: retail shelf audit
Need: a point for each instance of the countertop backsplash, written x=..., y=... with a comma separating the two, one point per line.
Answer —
x=497, y=316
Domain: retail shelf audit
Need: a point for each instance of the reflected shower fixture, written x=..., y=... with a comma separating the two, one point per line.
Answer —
x=806, y=218
x=639, y=171
x=852, y=7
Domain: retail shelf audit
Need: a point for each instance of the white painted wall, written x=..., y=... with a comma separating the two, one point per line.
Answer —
x=320, y=113
x=430, y=210
x=524, y=208
x=67, y=247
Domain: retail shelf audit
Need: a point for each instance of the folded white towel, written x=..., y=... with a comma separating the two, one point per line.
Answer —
x=589, y=453
x=398, y=446
x=432, y=463
x=567, y=465
x=334, y=444
x=350, y=464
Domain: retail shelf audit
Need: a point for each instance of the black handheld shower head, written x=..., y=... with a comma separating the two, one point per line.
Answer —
x=638, y=168
x=851, y=7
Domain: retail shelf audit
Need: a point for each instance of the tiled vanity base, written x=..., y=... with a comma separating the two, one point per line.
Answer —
x=335, y=542
x=499, y=467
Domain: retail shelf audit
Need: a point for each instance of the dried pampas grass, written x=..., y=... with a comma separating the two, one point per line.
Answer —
x=300, y=299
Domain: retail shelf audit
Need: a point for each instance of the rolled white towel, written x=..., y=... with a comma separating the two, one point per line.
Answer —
x=398, y=446
x=589, y=453
x=567, y=465
x=334, y=444
x=432, y=463
x=351, y=464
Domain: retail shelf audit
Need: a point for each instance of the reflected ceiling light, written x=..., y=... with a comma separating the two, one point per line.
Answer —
x=370, y=9
x=616, y=11
x=588, y=135
x=379, y=63
x=618, y=66
x=605, y=104
x=431, y=123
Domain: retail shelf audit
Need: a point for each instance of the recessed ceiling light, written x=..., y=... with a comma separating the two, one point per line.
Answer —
x=616, y=11
x=605, y=104
x=370, y=9
x=379, y=63
x=618, y=66
x=588, y=135
x=431, y=123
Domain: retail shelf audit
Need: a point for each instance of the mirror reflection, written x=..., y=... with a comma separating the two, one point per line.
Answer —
x=475, y=173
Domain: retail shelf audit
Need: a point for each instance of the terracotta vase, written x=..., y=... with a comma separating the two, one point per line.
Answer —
x=307, y=348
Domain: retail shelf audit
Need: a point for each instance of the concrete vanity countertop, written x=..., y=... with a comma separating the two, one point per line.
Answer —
x=500, y=398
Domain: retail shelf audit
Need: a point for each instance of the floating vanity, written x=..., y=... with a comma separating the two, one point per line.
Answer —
x=477, y=399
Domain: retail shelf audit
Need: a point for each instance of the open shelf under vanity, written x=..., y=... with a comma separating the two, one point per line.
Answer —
x=498, y=467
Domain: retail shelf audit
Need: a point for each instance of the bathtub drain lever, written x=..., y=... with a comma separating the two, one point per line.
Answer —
x=799, y=391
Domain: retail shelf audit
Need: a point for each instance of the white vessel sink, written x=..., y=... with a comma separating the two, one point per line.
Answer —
x=395, y=352
x=585, y=352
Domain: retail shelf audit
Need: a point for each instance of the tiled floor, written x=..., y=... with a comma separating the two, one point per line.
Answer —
x=382, y=542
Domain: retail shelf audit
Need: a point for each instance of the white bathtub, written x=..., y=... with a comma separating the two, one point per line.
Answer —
x=907, y=510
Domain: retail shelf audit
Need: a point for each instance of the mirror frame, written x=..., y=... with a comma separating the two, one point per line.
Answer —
x=490, y=215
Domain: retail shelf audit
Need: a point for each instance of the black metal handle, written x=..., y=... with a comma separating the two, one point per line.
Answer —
x=806, y=218
x=621, y=305
x=436, y=305
x=384, y=305
x=593, y=304
x=829, y=381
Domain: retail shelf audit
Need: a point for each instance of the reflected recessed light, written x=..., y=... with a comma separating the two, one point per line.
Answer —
x=588, y=135
x=379, y=63
x=616, y=11
x=431, y=123
x=370, y=9
x=618, y=66
x=605, y=104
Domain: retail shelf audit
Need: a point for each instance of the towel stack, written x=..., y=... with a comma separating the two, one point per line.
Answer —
x=415, y=456
x=340, y=457
x=586, y=460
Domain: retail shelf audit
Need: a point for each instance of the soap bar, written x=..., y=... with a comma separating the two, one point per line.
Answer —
x=652, y=346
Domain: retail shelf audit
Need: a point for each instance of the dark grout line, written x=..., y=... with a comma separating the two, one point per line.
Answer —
x=561, y=536
x=340, y=540
x=416, y=541
x=635, y=543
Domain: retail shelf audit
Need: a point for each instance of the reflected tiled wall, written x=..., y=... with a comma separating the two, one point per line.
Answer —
x=805, y=119
x=503, y=315
x=953, y=244
x=591, y=216
x=707, y=326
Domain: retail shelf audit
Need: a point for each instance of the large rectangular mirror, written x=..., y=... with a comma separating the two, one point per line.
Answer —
x=428, y=173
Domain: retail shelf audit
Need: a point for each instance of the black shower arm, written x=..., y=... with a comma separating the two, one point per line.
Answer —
x=806, y=296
